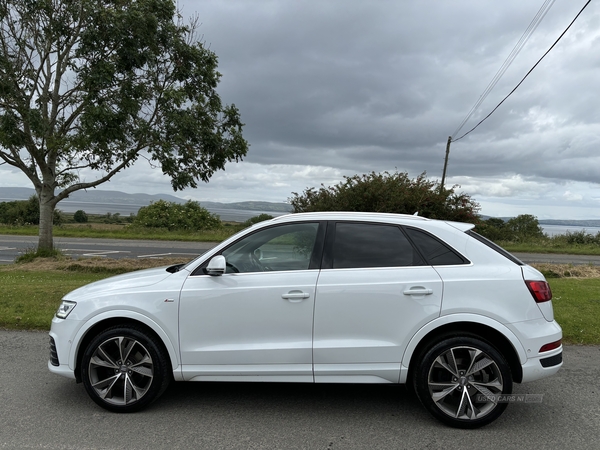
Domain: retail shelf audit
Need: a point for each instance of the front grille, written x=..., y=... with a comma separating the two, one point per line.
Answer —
x=552, y=361
x=53, y=354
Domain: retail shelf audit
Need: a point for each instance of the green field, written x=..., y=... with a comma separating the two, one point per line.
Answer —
x=125, y=231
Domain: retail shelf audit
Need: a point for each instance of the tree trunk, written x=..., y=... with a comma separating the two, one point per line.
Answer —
x=47, y=206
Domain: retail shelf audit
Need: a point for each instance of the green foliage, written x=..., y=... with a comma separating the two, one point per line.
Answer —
x=31, y=254
x=256, y=219
x=97, y=84
x=523, y=228
x=24, y=212
x=112, y=218
x=582, y=238
x=391, y=193
x=80, y=216
x=175, y=216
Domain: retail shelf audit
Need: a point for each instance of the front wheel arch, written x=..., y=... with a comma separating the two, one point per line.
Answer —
x=110, y=323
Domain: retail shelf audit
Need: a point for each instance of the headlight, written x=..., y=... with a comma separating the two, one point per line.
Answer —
x=65, y=309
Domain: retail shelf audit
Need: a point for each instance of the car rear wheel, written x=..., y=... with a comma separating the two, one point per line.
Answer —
x=462, y=380
x=124, y=369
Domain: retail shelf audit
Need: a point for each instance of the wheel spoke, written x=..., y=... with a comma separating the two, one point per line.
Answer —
x=120, y=345
x=144, y=371
x=496, y=386
x=440, y=395
x=480, y=365
x=139, y=391
x=466, y=409
x=474, y=354
x=440, y=360
x=105, y=357
x=102, y=391
x=454, y=369
x=102, y=363
x=128, y=347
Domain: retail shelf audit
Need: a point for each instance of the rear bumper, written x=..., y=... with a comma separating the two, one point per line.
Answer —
x=533, y=335
x=543, y=366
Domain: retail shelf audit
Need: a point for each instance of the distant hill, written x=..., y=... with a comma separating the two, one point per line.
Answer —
x=92, y=196
x=96, y=201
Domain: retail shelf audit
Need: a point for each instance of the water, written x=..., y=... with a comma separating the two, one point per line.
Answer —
x=554, y=230
x=227, y=215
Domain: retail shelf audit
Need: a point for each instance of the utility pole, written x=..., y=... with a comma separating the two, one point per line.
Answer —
x=445, y=163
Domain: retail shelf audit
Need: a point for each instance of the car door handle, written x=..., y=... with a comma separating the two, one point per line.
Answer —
x=418, y=291
x=295, y=296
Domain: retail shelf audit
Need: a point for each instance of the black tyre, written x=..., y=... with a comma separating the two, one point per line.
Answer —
x=124, y=369
x=461, y=381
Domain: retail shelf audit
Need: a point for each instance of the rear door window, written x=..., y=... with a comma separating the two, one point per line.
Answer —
x=363, y=245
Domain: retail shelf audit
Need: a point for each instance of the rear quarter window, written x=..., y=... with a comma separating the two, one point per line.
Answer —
x=435, y=251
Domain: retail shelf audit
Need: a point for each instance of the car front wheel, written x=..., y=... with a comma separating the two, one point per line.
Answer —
x=124, y=369
x=463, y=381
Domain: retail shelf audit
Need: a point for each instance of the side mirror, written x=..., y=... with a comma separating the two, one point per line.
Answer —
x=216, y=266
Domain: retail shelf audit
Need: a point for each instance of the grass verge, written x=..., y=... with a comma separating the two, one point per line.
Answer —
x=549, y=246
x=117, y=231
x=31, y=292
x=576, y=304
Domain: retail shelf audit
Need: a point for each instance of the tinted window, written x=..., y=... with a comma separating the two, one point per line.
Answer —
x=371, y=245
x=284, y=247
x=435, y=251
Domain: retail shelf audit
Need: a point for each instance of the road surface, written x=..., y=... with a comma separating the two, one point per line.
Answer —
x=41, y=410
x=13, y=246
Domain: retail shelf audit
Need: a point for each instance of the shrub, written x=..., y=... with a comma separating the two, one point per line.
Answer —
x=80, y=216
x=189, y=216
x=389, y=192
x=33, y=253
x=256, y=219
x=523, y=228
x=24, y=212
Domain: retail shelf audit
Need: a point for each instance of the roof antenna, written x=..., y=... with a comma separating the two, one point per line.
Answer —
x=416, y=214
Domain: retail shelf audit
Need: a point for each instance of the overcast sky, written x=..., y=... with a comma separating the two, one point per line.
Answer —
x=329, y=88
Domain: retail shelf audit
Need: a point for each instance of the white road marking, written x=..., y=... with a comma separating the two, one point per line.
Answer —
x=160, y=255
x=92, y=253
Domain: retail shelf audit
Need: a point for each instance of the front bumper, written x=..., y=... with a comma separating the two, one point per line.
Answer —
x=62, y=353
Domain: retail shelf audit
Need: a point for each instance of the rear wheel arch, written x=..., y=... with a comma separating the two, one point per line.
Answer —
x=479, y=331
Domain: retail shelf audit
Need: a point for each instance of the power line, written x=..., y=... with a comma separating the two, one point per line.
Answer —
x=530, y=70
x=508, y=61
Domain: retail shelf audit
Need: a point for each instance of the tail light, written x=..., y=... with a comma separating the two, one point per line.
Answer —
x=540, y=290
x=550, y=346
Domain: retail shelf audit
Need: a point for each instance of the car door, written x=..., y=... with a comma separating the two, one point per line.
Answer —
x=374, y=292
x=254, y=322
